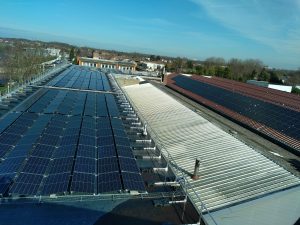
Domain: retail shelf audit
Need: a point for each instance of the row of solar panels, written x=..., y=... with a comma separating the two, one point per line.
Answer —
x=81, y=78
x=48, y=150
x=282, y=119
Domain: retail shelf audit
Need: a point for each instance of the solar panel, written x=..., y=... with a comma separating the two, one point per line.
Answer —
x=87, y=140
x=26, y=184
x=5, y=181
x=128, y=165
x=36, y=165
x=133, y=181
x=109, y=182
x=106, y=151
x=122, y=141
x=108, y=140
x=107, y=165
x=124, y=151
x=64, y=151
x=258, y=110
x=47, y=139
x=11, y=165
x=69, y=140
x=56, y=183
x=61, y=165
x=43, y=151
x=86, y=151
x=85, y=165
x=84, y=183
x=4, y=149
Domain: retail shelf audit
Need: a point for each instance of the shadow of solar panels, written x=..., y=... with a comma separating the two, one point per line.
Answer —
x=84, y=183
x=26, y=184
x=109, y=182
x=282, y=119
x=56, y=183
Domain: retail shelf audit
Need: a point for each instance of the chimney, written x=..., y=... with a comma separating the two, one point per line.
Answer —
x=195, y=176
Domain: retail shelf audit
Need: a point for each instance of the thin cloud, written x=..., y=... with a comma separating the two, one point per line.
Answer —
x=272, y=23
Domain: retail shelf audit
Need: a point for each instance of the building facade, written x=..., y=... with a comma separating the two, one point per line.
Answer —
x=107, y=64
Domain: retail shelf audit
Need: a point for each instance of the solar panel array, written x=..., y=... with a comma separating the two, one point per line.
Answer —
x=281, y=119
x=61, y=142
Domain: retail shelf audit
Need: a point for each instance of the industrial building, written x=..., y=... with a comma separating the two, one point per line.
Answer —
x=107, y=64
x=82, y=144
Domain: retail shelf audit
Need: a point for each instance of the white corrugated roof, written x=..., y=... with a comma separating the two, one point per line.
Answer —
x=231, y=171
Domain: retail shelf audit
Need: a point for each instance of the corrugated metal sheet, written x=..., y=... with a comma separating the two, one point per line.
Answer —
x=231, y=172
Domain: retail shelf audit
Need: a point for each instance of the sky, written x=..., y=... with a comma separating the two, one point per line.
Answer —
x=268, y=30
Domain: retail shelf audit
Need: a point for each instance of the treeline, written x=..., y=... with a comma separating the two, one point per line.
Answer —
x=235, y=69
x=19, y=64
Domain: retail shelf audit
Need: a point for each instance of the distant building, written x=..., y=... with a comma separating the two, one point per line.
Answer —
x=107, y=64
x=272, y=86
x=53, y=51
x=153, y=66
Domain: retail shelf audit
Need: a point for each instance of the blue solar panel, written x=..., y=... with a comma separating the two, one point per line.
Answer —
x=43, y=151
x=26, y=184
x=84, y=183
x=36, y=165
x=128, y=165
x=133, y=181
x=125, y=151
x=108, y=165
x=106, y=151
x=102, y=141
x=11, y=165
x=64, y=151
x=56, y=183
x=86, y=151
x=258, y=110
x=61, y=165
x=5, y=181
x=109, y=182
x=85, y=165
x=59, y=150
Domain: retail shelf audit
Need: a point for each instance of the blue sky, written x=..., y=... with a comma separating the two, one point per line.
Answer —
x=265, y=29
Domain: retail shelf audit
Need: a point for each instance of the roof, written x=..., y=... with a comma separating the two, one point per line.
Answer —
x=272, y=113
x=276, y=209
x=230, y=171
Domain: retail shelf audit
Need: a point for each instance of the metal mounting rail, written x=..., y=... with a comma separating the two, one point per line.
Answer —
x=86, y=198
x=72, y=89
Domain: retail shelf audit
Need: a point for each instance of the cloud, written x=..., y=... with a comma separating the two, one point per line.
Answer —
x=273, y=23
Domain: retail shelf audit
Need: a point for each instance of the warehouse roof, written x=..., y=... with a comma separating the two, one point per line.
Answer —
x=231, y=172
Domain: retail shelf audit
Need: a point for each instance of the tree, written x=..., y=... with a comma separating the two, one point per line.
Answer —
x=274, y=78
x=72, y=54
x=189, y=64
